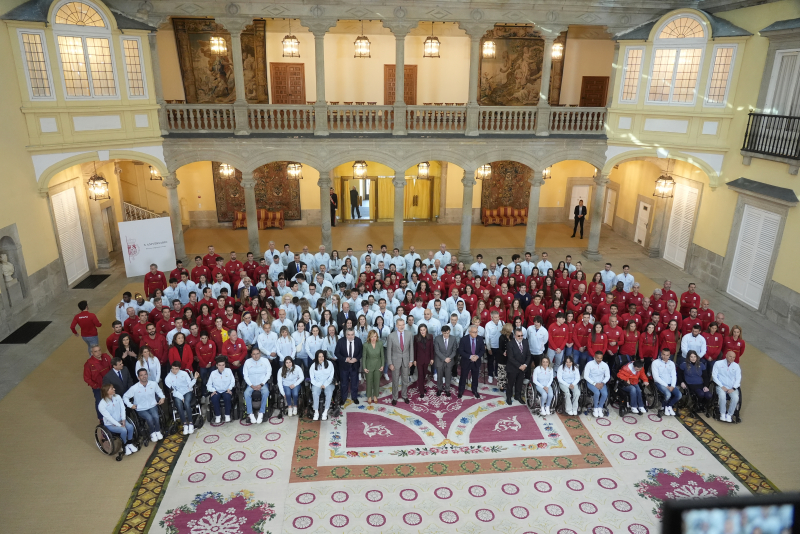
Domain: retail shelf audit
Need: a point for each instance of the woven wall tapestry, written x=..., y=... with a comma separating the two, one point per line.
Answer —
x=508, y=187
x=514, y=76
x=274, y=191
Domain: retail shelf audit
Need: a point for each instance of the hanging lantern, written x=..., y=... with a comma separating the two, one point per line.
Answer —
x=423, y=170
x=154, y=176
x=360, y=169
x=546, y=174
x=219, y=46
x=431, y=46
x=558, y=51
x=489, y=50
x=294, y=170
x=98, y=186
x=484, y=172
x=291, y=46
x=594, y=175
x=665, y=186
x=226, y=170
x=362, y=44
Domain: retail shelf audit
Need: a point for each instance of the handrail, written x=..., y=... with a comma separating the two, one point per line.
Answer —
x=132, y=212
x=200, y=118
x=507, y=119
x=280, y=118
x=772, y=135
x=442, y=119
x=577, y=120
x=377, y=119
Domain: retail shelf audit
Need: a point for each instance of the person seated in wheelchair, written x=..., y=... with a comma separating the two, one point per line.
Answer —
x=569, y=379
x=290, y=378
x=181, y=382
x=543, y=382
x=727, y=376
x=631, y=374
x=112, y=408
x=144, y=394
x=220, y=388
x=257, y=372
x=693, y=375
x=597, y=374
x=665, y=377
x=321, y=382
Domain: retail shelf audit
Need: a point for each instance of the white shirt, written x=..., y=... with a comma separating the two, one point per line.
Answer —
x=664, y=373
x=543, y=265
x=181, y=383
x=385, y=258
x=257, y=373
x=697, y=344
x=277, y=324
x=346, y=278
x=410, y=260
x=308, y=259
x=217, y=288
x=399, y=263
x=287, y=258
x=725, y=375
x=452, y=304
x=372, y=255
x=269, y=254
x=433, y=325
x=527, y=267
x=537, y=339
x=122, y=313
x=275, y=270
x=477, y=268
x=443, y=257
x=220, y=382
x=267, y=343
x=153, y=367
x=608, y=278
x=286, y=347
x=321, y=259
x=171, y=334
x=248, y=332
x=353, y=261
x=594, y=372
x=144, y=397
x=493, y=333
x=627, y=281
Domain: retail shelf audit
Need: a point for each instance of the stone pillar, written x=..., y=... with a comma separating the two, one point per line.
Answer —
x=653, y=248
x=464, y=248
x=399, y=183
x=543, y=111
x=171, y=184
x=596, y=218
x=473, y=110
x=320, y=107
x=154, y=61
x=617, y=69
x=104, y=261
x=249, y=185
x=240, y=105
x=533, y=213
x=399, y=88
x=325, y=183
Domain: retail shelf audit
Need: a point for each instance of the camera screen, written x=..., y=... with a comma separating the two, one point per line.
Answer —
x=748, y=520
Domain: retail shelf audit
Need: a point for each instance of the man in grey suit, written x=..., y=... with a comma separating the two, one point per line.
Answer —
x=400, y=350
x=118, y=376
x=518, y=362
x=445, y=349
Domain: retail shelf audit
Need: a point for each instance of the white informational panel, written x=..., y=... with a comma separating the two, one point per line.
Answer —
x=145, y=242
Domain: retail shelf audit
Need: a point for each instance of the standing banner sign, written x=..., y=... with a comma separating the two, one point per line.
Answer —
x=145, y=242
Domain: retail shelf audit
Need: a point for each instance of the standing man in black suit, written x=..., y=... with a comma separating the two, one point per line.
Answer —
x=294, y=267
x=334, y=205
x=348, y=355
x=518, y=362
x=354, y=207
x=470, y=349
x=580, y=215
x=118, y=376
x=344, y=315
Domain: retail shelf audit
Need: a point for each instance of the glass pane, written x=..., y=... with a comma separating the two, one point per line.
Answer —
x=682, y=28
x=37, y=67
x=686, y=75
x=133, y=67
x=663, y=67
x=79, y=14
x=633, y=66
x=101, y=67
x=718, y=83
x=73, y=64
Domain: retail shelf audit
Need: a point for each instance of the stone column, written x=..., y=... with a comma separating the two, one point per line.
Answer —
x=543, y=111
x=171, y=184
x=596, y=218
x=249, y=185
x=104, y=261
x=154, y=61
x=399, y=183
x=240, y=106
x=473, y=110
x=325, y=183
x=653, y=248
x=399, y=87
x=464, y=248
x=533, y=213
x=320, y=107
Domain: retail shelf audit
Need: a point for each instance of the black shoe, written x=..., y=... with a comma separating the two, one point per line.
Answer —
x=477, y=395
x=508, y=401
x=460, y=395
x=519, y=400
x=449, y=394
x=581, y=237
x=394, y=402
x=355, y=401
x=405, y=400
x=573, y=235
x=438, y=393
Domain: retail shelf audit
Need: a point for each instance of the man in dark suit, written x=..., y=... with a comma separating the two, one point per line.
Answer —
x=118, y=376
x=344, y=315
x=518, y=362
x=334, y=205
x=580, y=215
x=294, y=267
x=444, y=350
x=354, y=207
x=348, y=356
x=470, y=349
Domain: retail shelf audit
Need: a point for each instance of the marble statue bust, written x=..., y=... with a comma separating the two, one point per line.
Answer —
x=7, y=268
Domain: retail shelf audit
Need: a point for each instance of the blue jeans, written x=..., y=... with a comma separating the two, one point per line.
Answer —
x=581, y=358
x=555, y=358
x=205, y=372
x=248, y=399
x=600, y=395
x=125, y=433
x=151, y=416
x=671, y=398
x=291, y=394
x=183, y=405
x=225, y=397
x=723, y=400
x=634, y=395
x=545, y=397
x=97, y=398
x=91, y=340
x=317, y=391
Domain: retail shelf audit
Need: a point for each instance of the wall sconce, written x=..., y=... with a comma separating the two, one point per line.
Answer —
x=291, y=46
x=362, y=44
x=226, y=170
x=154, y=176
x=546, y=174
x=558, y=51
x=360, y=169
x=423, y=169
x=294, y=170
x=98, y=186
x=484, y=172
x=431, y=46
x=489, y=50
x=219, y=46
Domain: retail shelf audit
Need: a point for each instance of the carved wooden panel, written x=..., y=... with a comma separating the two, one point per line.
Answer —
x=594, y=91
x=288, y=83
x=274, y=191
x=509, y=186
x=409, y=85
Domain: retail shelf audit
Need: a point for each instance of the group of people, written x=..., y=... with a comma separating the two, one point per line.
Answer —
x=330, y=319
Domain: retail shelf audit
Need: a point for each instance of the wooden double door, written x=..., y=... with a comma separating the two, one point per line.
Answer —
x=288, y=83
x=409, y=85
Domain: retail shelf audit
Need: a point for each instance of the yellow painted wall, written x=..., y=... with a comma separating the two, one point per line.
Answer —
x=584, y=57
x=171, y=80
x=553, y=192
x=635, y=178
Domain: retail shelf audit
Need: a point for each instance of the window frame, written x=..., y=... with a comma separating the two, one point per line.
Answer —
x=773, y=79
x=678, y=45
x=625, y=72
x=141, y=66
x=714, y=50
x=84, y=32
x=48, y=69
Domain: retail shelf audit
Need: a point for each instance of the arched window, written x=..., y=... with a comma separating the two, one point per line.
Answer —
x=85, y=51
x=677, y=56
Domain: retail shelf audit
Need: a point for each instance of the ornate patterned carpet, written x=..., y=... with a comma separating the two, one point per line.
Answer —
x=437, y=464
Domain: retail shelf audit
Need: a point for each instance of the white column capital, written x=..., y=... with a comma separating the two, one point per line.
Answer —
x=537, y=180
x=399, y=180
x=602, y=179
x=170, y=181
x=234, y=25
x=324, y=180
x=248, y=182
x=318, y=27
x=475, y=29
x=400, y=28
x=468, y=180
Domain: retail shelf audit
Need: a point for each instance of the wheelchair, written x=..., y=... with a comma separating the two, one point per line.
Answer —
x=197, y=414
x=141, y=428
x=715, y=413
x=532, y=397
x=257, y=398
x=237, y=403
x=586, y=400
x=690, y=402
x=110, y=443
x=336, y=402
x=620, y=400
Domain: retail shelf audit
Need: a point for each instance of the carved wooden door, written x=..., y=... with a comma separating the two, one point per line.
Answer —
x=594, y=90
x=409, y=85
x=288, y=83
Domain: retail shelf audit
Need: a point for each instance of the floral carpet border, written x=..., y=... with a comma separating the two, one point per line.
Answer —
x=305, y=468
x=752, y=478
x=151, y=485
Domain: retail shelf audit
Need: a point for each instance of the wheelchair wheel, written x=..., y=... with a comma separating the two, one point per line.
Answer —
x=530, y=395
x=652, y=401
x=108, y=443
x=336, y=404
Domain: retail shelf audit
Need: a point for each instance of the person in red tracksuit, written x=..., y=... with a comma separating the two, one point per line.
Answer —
x=735, y=342
x=199, y=270
x=632, y=374
x=648, y=344
x=705, y=314
x=157, y=344
x=112, y=341
x=558, y=334
x=615, y=336
x=236, y=352
x=210, y=259
x=633, y=316
x=670, y=314
x=535, y=308
x=670, y=338
x=178, y=271
x=597, y=340
x=181, y=351
x=630, y=340
x=139, y=330
x=715, y=342
x=206, y=350
x=94, y=370
x=689, y=300
x=580, y=338
x=153, y=280
x=690, y=321
x=88, y=323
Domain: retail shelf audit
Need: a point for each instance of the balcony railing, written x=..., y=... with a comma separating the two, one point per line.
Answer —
x=372, y=119
x=132, y=212
x=773, y=135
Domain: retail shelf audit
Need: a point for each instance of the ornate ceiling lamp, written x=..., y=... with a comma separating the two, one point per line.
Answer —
x=558, y=51
x=219, y=46
x=360, y=169
x=423, y=170
x=294, y=170
x=291, y=46
x=154, y=176
x=98, y=186
x=226, y=171
x=362, y=44
x=484, y=172
x=489, y=50
x=431, y=46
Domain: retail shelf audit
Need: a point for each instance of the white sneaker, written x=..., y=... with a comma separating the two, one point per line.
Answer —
x=252, y=419
x=386, y=376
x=160, y=436
x=491, y=380
x=260, y=417
x=594, y=412
x=227, y=418
x=217, y=418
x=642, y=410
x=191, y=429
x=668, y=410
x=728, y=419
x=128, y=450
x=132, y=447
x=316, y=415
x=153, y=437
x=185, y=430
x=325, y=415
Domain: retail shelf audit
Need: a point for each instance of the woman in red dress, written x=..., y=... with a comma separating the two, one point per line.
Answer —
x=205, y=320
x=505, y=274
x=648, y=344
x=423, y=357
x=597, y=341
x=518, y=276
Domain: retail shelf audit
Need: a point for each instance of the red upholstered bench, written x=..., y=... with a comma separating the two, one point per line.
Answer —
x=266, y=219
x=505, y=216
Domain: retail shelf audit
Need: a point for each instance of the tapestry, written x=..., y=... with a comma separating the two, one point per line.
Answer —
x=514, y=76
x=274, y=191
x=208, y=77
x=509, y=186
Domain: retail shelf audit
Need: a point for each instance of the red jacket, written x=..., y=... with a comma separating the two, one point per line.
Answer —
x=186, y=358
x=580, y=334
x=206, y=353
x=637, y=299
x=630, y=340
x=158, y=346
x=689, y=300
x=236, y=352
x=557, y=336
x=138, y=332
x=687, y=324
x=648, y=345
x=532, y=311
x=706, y=317
x=210, y=261
x=737, y=346
x=714, y=345
x=666, y=317
x=197, y=272
x=668, y=339
x=177, y=272
x=88, y=323
x=94, y=370
x=153, y=282
x=636, y=318
x=614, y=334
x=632, y=376
x=600, y=344
x=112, y=342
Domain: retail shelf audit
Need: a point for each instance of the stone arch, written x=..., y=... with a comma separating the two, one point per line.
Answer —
x=501, y=154
x=88, y=157
x=434, y=154
x=186, y=157
x=653, y=152
x=592, y=158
